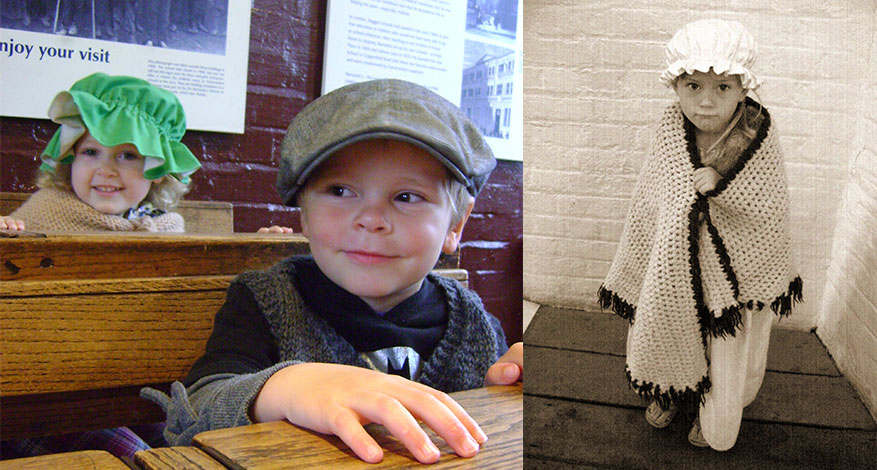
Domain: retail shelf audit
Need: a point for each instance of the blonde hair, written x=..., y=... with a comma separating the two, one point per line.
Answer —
x=164, y=195
x=459, y=198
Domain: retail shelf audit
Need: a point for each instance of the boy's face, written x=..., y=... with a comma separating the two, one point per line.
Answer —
x=377, y=215
x=109, y=179
x=709, y=100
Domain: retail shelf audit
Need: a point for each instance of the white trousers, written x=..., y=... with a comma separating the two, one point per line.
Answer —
x=737, y=365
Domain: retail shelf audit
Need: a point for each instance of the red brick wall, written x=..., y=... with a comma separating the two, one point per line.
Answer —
x=284, y=74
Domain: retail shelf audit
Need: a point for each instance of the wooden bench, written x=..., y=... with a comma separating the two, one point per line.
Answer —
x=200, y=216
x=87, y=320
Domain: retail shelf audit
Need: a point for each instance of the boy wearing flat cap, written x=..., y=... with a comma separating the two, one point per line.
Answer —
x=385, y=173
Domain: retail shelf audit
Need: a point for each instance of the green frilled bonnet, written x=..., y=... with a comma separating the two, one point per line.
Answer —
x=118, y=110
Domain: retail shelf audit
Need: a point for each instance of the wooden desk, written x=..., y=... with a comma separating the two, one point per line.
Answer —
x=83, y=460
x=279, y=445
x=176, y=458
x=88, y=319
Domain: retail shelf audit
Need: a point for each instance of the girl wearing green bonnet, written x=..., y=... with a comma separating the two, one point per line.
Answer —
x=116, y=163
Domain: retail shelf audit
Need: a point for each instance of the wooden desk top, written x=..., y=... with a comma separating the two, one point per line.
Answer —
x=176, y=458
x=53, y=256
x=109, y=255
x=82, y=460
x=276, y=445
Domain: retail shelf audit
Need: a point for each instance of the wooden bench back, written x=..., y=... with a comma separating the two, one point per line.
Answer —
x=89, y=319
x=200, y=216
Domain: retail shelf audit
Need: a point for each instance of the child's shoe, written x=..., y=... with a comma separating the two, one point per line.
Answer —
x=695, y=436
x=659, y=417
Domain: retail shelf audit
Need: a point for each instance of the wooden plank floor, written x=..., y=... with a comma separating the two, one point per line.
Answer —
x=579, y=412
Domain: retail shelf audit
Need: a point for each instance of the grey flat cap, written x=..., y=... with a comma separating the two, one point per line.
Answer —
x=382, y=109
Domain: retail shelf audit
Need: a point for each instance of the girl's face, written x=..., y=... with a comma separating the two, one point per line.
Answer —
x=709, y=100
x=109, y=179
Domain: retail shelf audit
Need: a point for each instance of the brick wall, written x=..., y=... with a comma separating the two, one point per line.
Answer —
x=592, y=98
x=848, y=325
x=284, y=74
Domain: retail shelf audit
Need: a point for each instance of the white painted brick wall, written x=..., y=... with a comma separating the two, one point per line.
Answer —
x=848, y=324
x=592, y=97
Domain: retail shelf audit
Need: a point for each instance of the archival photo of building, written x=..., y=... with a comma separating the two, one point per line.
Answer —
x=488, y=87
x=493, y=19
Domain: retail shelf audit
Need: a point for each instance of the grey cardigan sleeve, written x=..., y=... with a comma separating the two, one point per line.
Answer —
x=222, y=384
x=213, y=402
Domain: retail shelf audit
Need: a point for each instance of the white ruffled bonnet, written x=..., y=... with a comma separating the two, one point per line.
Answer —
x=725, y=46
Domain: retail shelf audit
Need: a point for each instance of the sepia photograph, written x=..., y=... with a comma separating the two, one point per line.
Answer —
x=698, y=235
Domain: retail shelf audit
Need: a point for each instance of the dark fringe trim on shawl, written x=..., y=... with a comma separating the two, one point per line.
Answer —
x=703, y=313
x=725, y=325
x=608, y=299
x=687, y=400
x=722, y=252
x=731, y=318
x=782, y=305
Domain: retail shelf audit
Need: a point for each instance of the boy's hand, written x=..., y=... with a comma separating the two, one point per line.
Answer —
x=275, y=229
x=705, y=179
x=8, y=223
x=509, y=368
x=339, y=399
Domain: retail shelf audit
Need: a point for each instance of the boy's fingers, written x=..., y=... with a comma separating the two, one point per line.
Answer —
x=494, y=375
x=450, y=421
x=346, y=426
x=419, y=402
x=514, y=355
x=388, y=411
x=503, y=373
x=461, y=414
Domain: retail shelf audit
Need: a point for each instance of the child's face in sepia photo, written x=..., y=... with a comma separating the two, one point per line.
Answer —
x=709, y=100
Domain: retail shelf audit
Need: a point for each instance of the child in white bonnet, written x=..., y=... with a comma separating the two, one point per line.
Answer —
x=706, y=243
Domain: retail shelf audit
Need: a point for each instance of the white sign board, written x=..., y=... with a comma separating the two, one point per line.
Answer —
x=470, y=52
x=201, y=56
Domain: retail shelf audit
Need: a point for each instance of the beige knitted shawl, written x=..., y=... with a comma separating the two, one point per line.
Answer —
x=687, y=263
x=56, y=209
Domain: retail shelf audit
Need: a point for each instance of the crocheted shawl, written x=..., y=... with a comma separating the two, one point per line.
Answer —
x=687, y=263
x=56, y=209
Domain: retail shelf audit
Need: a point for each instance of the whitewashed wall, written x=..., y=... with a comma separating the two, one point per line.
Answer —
x=848, y=325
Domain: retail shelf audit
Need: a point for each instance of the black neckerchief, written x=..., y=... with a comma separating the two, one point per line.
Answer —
x=417, y=322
